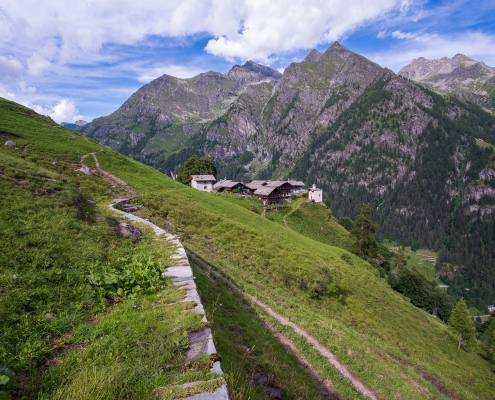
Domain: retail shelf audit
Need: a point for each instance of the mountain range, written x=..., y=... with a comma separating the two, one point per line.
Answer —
x=409, y=144
x=460, y=75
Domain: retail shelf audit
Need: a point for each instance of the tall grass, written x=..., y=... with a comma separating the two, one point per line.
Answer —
x=62, y=335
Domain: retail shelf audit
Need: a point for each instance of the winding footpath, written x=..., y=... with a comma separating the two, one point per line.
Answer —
x=331, y=358
x=200, y=343
x=289, y=213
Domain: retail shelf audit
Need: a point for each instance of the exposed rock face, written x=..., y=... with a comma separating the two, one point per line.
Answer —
x=163, y=113
x=459, y=75
x=313, y=56
x=127, y=229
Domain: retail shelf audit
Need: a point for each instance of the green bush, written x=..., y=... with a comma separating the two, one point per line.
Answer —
x=127, y=277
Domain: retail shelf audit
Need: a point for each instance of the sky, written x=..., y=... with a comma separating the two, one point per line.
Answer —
x=82, y=59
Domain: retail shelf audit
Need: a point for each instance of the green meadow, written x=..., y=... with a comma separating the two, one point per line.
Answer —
x=305, y=273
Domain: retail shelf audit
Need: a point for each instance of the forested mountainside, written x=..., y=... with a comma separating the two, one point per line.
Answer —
x=460, y=75
x=424, y=162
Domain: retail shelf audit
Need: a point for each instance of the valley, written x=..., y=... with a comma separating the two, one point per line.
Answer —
x=423, y=161
x=390, y=346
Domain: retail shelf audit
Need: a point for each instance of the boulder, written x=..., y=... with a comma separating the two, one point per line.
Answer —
x=86, y=170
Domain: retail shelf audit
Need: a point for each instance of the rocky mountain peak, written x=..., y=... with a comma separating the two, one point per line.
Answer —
x=261, y=69
x=457, y=75
x=313, y=56
x=422, y=68
x=252, y=72
x=336, y=47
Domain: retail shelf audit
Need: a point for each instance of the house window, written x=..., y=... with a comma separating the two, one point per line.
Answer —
x=204, y=187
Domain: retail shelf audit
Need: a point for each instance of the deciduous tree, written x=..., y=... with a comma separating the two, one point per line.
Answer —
x=196, y=166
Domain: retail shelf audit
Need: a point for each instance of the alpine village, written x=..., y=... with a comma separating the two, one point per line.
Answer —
x=322, y=232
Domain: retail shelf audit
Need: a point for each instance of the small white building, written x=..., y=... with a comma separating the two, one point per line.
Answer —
x=202, y=182
x=315, y=194
x=491, y=308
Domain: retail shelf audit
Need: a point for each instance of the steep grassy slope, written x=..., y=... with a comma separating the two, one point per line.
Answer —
x=388, y=343
x=391, y=346
x=372, y=329
x=65, y=334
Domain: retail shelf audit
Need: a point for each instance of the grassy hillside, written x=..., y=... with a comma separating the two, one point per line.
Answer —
x=375, y=331
x=65, y=334
x=391, y=346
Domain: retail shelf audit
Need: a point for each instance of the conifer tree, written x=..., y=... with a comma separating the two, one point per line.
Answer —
x=461, y=323
x=364, y=231
x=488, y=340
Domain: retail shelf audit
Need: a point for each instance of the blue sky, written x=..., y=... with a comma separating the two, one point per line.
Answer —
x=80, y=60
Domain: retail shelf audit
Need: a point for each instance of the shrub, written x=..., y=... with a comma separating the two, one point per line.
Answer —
x=85, y=207
x=347, y=258
x=253, y=208
x=127, y=277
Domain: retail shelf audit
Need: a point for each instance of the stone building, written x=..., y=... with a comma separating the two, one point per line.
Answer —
x=202, y=182
x=315, y=194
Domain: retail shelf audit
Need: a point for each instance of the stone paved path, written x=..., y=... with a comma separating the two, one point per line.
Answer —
x=200, y=343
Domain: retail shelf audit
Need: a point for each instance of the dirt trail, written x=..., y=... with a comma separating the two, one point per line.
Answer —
x=110, y=178
x=341, y=368
x=327, y=390
x=289, y=213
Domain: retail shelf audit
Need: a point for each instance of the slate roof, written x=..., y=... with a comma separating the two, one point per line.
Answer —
x=265, y=190
x=297, y=183
x=226, y=183
x=202, y=178
x=275, y=183
x=254, y=184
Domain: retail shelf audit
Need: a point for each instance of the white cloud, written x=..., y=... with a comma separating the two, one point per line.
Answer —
x=382, y=34
x=41, y=59
x=10, y=69
x=6, y=93
x=476, y=45
x=178, y=71
x=64, y=32
x=409, y=35
x=279, y=26
x=64, y=111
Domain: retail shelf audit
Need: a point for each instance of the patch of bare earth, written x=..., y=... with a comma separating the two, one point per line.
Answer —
x=110, y=178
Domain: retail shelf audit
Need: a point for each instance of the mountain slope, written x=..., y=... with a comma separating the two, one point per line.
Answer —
x=163, y=113
x=72, y=280
x=425, y=165
x=391, y=346
x=462, y=76
x=362, y=133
